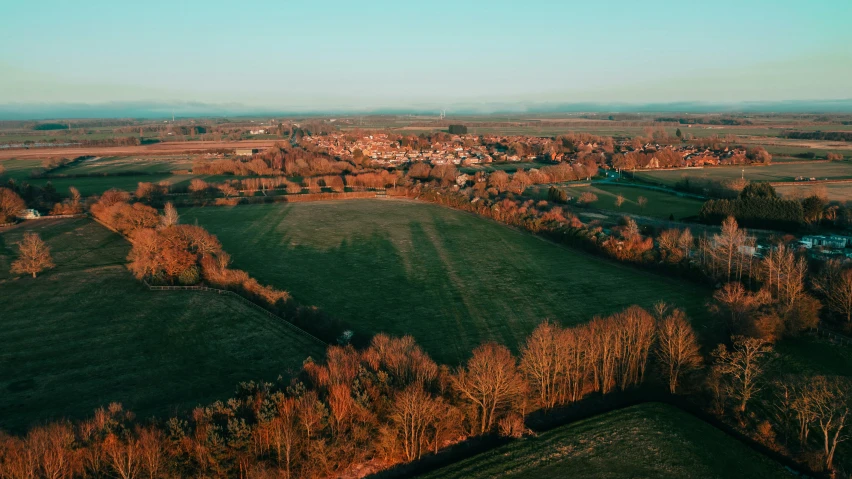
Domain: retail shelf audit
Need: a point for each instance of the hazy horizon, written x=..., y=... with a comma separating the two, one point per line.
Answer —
x=476, y=56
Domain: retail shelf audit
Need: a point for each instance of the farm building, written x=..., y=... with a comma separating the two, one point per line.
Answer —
x=246, y=151
x=29, y=214
x=832, y=241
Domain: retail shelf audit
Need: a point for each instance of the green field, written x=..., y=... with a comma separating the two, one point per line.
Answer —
x=660, y=204
x=645, y=441
x=86, y=334
x=450, y=279
x=779, y=172
x=19, y=169
x=120, y=164
x=96, y=185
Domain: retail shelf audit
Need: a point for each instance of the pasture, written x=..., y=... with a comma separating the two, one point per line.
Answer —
x=777, y=172
x=112, y=165
x=87, y=334
x=96, y=185
x=660, y=204
x=450, y=279
x=648, y=440
x=833, y=191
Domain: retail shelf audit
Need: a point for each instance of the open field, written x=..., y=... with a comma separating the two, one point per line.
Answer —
x=19, y=169
x=648, y=440
x=660, y=204
x=86, y=334
x=164, y=148
x=779, y=172
x=834, y=191
x=96, y=185
x=118, y=164
x=450, y=279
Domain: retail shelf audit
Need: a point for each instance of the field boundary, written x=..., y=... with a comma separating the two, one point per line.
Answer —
x=577, y=412
x=833, y=336
x=238, y=296
x=809, y=182
x=218, y=291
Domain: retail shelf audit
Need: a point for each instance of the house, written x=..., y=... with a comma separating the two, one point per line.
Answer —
x=257, y=132
x=29, y=214
x=833, y=241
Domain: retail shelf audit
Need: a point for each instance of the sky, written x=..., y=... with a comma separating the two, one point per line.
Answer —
x=349, y=55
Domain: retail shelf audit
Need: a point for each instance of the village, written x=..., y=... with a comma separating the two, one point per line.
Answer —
x=386, y=149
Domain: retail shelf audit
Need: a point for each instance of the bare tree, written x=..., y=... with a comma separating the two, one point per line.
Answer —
x=642, y=201
x=543, y=364
x=783, y=274
x=490, y=381
x=10, y=205
x=831, y=407
x=170, y=215
x=835, y=284
x=677, y=347
x=742, y=367
x=413, y=412
x=34, y=256
x=619, y=200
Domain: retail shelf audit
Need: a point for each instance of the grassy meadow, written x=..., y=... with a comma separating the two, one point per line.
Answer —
x=87, y=333
x=112, y=165
x=451, y=279
x=660, y=204
x=775, y=172
x=648, y=440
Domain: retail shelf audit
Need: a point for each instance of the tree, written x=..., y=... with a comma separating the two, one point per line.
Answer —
x=734, y=299
x=587, y=197
x=679, y=133
x=677, y=347
x=170, y=215
x=830, y=403
x=542, y=362
x=642, y=201
x=619, y=200
x=10, y=205
x=814, y=209
x=490, y=381
x=742, y=366
x=413, y=412
x=759, y=190
x=34, y=256
x=835, y=284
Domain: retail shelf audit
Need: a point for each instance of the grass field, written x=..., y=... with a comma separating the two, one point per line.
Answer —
x=450, y=279
x=834, y=191
x=644, y=441
x=780, y=172
x=86, y=334
x=660, y=203
x=118, y=164
x=96, y=185
x=19, y=169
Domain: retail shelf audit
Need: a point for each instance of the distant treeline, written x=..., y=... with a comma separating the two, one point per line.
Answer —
x=50, y=126
x=819, y=135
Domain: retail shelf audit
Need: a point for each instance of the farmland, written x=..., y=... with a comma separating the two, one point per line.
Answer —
x=450, y=279
x=86, y=334
x=660, y=204
x=121, y=165
x=778, y=172
x=649, y=440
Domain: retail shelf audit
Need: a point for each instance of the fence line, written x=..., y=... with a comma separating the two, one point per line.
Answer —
x=241, y=298
x=834, y=337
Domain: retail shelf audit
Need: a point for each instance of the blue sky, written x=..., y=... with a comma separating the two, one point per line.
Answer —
x=347, y=54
